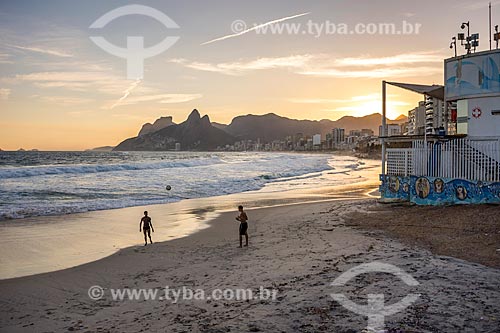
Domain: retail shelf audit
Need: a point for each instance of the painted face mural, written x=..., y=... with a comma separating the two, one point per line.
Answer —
x=438, y=185
x=461, y=193
x=422, y=187
x=439, y=191
x=393, y=184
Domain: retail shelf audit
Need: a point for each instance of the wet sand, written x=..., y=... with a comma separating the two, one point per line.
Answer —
x=296, y=249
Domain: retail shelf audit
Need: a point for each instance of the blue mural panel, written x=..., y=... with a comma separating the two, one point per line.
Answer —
x=395, y=188
x=448, y=191
x=474, y=74
x=438, y=191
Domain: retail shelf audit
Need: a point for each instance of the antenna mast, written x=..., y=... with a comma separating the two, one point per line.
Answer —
x=489, y=26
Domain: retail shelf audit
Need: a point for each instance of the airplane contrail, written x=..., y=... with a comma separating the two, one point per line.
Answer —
x=127, y=92
x=254, y=28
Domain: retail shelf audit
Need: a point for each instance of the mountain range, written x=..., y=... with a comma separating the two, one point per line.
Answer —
x=198, y=133
x=159, y=124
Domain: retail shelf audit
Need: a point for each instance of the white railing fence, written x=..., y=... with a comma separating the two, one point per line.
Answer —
x=477, y=160
x=400, y=161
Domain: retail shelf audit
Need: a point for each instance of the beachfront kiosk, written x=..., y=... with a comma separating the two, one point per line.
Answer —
x=451, y=154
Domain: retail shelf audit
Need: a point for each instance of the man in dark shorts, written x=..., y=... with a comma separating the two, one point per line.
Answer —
x=243, y=225
x=147, y=227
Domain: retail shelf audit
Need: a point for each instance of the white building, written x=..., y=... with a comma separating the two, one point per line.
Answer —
x=434, y=115
x=316, y=139
x=473, y=82
x=392, y=130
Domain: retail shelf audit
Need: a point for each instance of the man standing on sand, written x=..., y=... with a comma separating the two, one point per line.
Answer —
x=147, y=227
x=243, y=225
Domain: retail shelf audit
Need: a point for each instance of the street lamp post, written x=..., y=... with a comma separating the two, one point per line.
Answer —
x=453, y=44
x=467, y=45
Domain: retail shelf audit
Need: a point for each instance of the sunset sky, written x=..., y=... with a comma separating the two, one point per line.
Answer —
x=60, y=91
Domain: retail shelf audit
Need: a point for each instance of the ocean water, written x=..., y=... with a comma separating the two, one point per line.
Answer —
x=54, y=183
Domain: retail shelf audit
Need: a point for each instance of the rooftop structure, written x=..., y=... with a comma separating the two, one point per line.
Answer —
x=457, y=157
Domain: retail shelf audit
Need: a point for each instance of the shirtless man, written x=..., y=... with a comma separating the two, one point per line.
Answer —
x=147, y=228
x=243, y=225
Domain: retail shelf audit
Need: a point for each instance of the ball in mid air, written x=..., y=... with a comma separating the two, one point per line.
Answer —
x=168, y=187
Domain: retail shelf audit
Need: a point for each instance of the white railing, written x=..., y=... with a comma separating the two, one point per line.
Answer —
x=477, y=160
x=399, y=161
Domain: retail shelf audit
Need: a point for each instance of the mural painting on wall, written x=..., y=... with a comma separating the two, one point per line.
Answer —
x=461, y=193
x=395, y=187
x=435, y=191
x=394, y=184
x=438, y=185
x=438, y=191
x=422, y=187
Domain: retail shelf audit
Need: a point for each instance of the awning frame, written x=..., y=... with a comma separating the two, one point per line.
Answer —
x=435, y=90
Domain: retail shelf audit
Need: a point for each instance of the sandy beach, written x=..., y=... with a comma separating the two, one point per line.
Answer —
x=249, y=166
x=43, y=244
x=296, y=250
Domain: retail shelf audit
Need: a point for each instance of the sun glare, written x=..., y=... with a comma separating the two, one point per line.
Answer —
x=394, y=108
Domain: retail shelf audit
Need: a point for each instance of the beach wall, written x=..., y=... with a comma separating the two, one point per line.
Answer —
x=394, y=188
x=438, y=191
